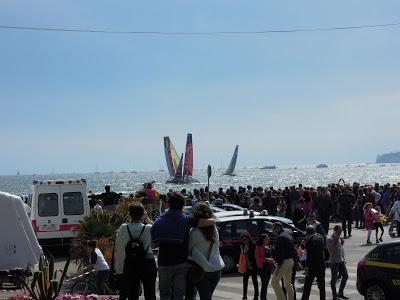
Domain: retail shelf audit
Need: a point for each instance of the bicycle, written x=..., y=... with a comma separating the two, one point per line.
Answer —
x=85, y=284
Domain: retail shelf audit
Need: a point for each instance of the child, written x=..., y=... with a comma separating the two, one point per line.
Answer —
x=369, y=220
x=99, y=265
x=301, y=252
x=379, y=218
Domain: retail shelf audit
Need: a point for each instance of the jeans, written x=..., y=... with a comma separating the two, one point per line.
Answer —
x=320, y=275
x=346, y=218
x=265, y=275
x=337, y=268
x=147, y=276
x=284, y=271
x=207, y=285
x=324, y=219
x=369, y=230
x=359, y=217
x=101, y=277
x=397, y=224
x=172, y=281
x=246, y=276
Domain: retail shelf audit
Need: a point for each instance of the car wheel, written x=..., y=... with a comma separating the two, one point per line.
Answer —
x=375, y=291
x=229, y=263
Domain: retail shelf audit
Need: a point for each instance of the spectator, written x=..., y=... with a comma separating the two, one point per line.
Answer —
x=346, y=205
x=369, y=220
x=265, y=263
x=247, y=247
x=204, y=250
x=109, y=198
x=170, y=232
x=300, y=216
x=323, y=207
x=315, y=263
x=99, y=265
x=337, y=262
x=144, y=270
x=379, y=218
x=395, y=213
x=284, y=253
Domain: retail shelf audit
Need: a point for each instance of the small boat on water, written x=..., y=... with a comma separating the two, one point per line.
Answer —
x=322, y=166
x=231, y=168
x=272, y=167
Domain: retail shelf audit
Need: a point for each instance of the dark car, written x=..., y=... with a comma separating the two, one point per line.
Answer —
x=378, y=273
x=231, y=227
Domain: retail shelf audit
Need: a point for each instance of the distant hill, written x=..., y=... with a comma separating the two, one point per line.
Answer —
x=393, y=157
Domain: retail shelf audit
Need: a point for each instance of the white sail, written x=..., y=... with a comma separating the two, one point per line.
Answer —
x=232, y=165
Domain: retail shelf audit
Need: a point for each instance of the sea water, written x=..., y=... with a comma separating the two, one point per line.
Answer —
x=279, y=178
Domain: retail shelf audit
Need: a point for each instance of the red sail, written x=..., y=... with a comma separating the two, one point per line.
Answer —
x=188, y=167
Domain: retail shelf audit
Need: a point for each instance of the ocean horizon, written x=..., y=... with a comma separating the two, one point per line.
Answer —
x=129, y=182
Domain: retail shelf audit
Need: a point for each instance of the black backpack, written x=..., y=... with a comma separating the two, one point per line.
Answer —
x=135, y=253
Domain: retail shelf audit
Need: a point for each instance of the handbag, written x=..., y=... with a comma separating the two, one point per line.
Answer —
x=196, y=272
x=242, y=263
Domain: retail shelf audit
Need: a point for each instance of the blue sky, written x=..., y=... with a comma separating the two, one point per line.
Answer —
x=85, y=102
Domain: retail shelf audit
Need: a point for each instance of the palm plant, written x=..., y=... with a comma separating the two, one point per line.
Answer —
x=96, y=226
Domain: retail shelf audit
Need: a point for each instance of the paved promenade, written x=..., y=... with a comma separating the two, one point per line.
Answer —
x=230, y=286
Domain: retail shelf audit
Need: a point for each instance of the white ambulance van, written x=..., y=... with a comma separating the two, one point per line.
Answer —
x=57, y=206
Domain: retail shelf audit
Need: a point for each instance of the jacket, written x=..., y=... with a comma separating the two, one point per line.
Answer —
x=284, y=247
x=315, y=246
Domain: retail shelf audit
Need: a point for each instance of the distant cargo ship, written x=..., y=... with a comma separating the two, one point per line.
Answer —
x=322, y=166
x=393, y=157
x=268, y=167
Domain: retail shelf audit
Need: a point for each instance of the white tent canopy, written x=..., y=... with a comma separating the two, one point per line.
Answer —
x=19, y=247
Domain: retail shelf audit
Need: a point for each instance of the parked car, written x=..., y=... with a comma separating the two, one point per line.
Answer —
x=188, y=209
x=231, y=227
x=231, y=207
x=378, y=273
x=57, y=206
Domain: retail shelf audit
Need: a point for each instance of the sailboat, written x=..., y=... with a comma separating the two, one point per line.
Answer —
x=231, y=168
x=183, y=172
x=171, y=156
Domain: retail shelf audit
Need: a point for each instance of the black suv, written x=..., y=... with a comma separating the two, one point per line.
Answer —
x=378, y=273
x=230, y=229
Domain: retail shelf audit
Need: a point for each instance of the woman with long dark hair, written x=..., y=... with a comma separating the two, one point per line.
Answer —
x=204, y=251
x=248, y=249
x=265, y=263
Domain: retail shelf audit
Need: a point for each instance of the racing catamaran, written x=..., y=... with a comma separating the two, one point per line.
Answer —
x=182, y=171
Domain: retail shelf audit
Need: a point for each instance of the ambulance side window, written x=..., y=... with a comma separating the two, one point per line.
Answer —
x=73, y=203
x=48, y=205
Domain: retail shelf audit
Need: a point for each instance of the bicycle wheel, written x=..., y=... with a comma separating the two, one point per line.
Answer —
x=83, y=288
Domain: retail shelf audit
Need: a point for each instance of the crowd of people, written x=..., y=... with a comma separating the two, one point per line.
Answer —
x=189, y=262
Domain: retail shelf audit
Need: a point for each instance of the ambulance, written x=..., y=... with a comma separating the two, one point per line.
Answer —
x=57, y=206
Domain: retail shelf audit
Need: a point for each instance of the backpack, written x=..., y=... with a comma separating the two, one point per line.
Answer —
x=135, y=253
